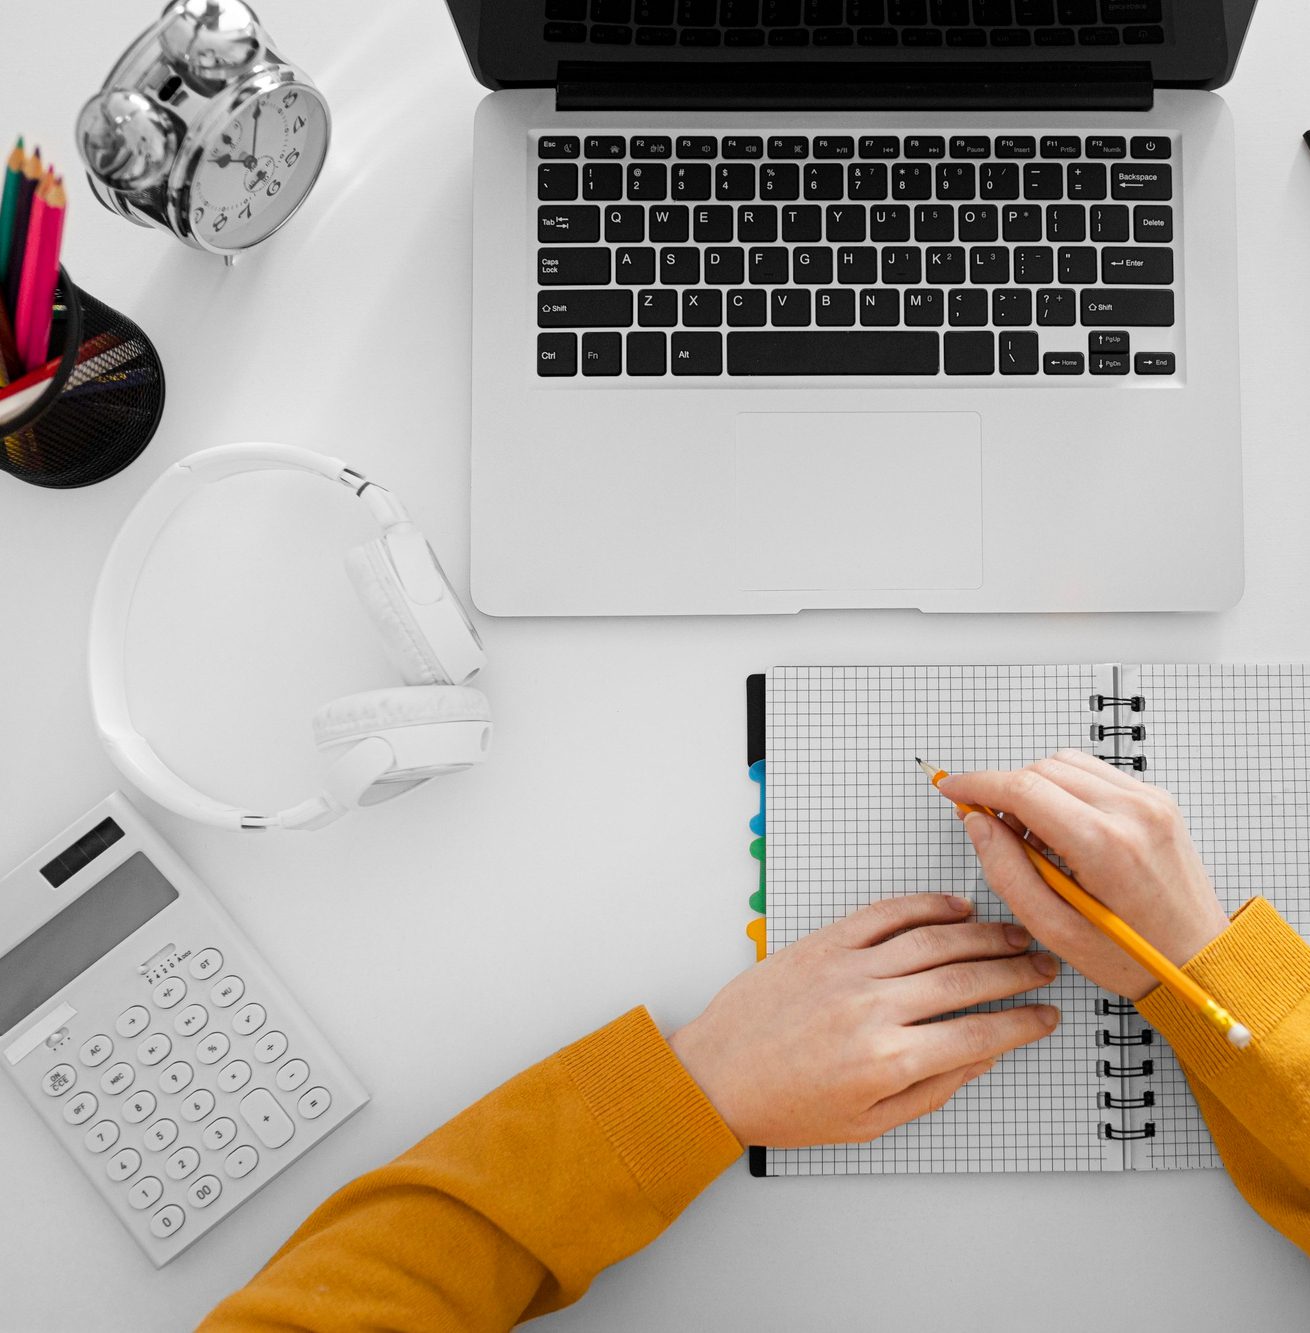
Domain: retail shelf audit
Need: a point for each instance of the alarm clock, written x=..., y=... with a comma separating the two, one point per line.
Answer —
x=204, y=131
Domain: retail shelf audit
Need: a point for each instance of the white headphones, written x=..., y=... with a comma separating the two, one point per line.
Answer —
x=381, y=742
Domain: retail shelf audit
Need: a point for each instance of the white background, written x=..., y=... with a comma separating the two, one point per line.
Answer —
x=600, y=859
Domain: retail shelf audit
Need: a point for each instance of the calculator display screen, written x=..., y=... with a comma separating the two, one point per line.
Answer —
x=87, y=929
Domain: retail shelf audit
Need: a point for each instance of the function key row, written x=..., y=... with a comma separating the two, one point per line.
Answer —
x=869, y=147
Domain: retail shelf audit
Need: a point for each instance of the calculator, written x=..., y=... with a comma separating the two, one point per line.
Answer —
x=148, y=1034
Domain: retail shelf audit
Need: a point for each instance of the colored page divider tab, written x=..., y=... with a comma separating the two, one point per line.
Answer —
x=756, y=930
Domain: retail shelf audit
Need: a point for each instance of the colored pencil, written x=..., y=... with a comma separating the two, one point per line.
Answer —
x=1145, y=955
x=10, y=361
x=9, y=201
x=26, y=193
x=40, y=273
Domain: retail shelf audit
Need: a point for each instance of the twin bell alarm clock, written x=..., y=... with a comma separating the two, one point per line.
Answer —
x=204, y=131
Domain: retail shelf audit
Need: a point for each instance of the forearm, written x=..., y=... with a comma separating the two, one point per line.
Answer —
x=512, y=1208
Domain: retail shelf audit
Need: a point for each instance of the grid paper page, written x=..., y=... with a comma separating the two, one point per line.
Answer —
x=851, y=819
x=1230, y=743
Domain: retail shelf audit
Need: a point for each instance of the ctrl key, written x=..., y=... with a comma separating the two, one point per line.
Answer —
x=1154, y=363
x=557, y=354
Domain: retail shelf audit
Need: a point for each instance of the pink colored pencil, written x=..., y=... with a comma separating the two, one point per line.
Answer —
x=40, y=273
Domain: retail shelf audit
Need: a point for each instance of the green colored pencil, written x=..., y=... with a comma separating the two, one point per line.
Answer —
x=9, y=202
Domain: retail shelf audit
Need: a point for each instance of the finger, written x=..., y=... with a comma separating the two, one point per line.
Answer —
x=943, y=990
x=933, y=1048
x=1089, y=787
x=1012, y=878
x=1026, y=834
x=931, y=946
x=1062, y=821
x=1092, y=764
x=879, y=920
x=922, y=1098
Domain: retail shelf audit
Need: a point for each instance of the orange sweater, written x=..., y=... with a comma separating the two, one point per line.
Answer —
x=511, y=1209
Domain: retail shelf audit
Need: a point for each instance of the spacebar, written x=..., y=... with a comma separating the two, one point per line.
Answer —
x=857, y=352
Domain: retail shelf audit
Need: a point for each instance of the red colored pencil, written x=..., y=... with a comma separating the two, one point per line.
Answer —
x=40, y=273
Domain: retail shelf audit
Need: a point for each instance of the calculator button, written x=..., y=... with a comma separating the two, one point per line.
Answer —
x=314, y=1103
x=197, y=1105
x=145, y=1192
x=59, y=1080
x=81, y=1108
x=102, y=1136
x=170, y=992
x=191, y=1019
x=227, y=992
x=167, y=1220
x=176, y=1077
x=292, y=1075
x=133, y=1020
x=211, y=1049
x=204, y=1191
x=241, y=1161
x=118, y=1078
x=219, y=1134
x=249, y=1018
x=160, y=1135
x=181, y=1164
x=271, y=1046
x=234, y=1075
x=205, y=964
x=261, y=1111
x=123, y=1165
x=155, y=1047
x=138, y=1106
x=96, y=1050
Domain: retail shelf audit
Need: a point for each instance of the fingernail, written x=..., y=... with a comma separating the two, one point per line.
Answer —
x=978, y=827
x=1050, y=1016
x=1017, y=937
x=958, y=904
x=1045, y=964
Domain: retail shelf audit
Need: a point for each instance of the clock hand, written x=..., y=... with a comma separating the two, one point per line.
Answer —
x=254, y=135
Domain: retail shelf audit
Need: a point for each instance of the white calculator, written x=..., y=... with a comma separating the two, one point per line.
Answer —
x=151, y=1037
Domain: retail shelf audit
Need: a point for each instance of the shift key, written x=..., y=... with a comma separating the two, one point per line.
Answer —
x=596, y=309
x=1123, y=307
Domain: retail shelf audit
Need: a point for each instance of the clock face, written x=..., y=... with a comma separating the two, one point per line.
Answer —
x=257, y=167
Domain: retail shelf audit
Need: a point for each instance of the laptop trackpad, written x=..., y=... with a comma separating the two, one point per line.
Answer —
x=846, y=500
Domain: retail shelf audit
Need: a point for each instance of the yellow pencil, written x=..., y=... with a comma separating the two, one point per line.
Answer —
x=1144, y=954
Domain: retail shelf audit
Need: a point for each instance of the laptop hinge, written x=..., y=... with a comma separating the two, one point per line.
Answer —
x=851, y=86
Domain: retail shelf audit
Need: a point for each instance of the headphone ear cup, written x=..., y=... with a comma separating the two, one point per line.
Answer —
x=407, y=646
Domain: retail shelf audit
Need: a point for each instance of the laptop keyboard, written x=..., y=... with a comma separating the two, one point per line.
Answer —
x=914, y=255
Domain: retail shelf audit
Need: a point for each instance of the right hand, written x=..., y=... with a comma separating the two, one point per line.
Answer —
x=1125, y=843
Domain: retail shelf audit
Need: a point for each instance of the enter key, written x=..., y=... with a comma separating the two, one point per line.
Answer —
x=1149, y=266
x=263, y=1113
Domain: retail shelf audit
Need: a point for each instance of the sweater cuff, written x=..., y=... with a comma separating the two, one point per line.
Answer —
x=1258, y=969
x=657, y=1119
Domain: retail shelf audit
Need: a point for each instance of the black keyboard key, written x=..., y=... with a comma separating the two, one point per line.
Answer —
x=603, y=146
x=1110, y=223
x=670, y=223
x=1107, y=340
x=991, y=13
x=574, y=11
x=891, y=223
x=989, y=265
x=1016, y=145
x=971, y=145
x=1063, y=363
x=925, y=308
x=1034, y=265
x=757, y=222
x=702, y=307
x=880, y=145
x=833, y=145
x=998, y=180
x=559, y=309
x=610, y=34
x=1106, y=145
x=949, y=13
x=555, y=145
x=902, y=266
x=602, y=180
x=1142, y=35
x=1151, y=146
x=934, y=222
x=711, y=222
x=1043, y=180
x=945, y=264
x=573, y=268
x=696, y=354
x=789, y=145
x=602, y=353
x=690, y=180
x=1141, y=180
x=739, y=13
x=648, y=181
x=647, y=353
x=634, y=266
x=1108, y=363
x=734, y=180
x=966, y=37
x=1057, y=307
x=880, y=307
x=780, y=181
x=824, y=180
x=747, y=309
x=1152, y=224
x=738, y=146
x=1144, y=306
x=578, y=224
x=680, y=265
x=657, y=309
x=1055, y=37
x=843, y=222
x=789, y=307
x=1062, y=145
x=650, y=146
x=911, y=180
x=697, y=145
x=857, y=263
x=1021, y=222
x=957, y=180
x=1078, y=264
x=846, y=352
x=557, y=354
x=1017, y=353
x=625, y=223
x=725, y=265
x=1098, y=36
x=866, y=180
x=1012, y=307
x=811, y=265
x=925, y=145
x=969, y=353
x=1086, y=180
x=1154, y=363
x=802, y=222
x=834, y=308
x=979, y=222
x=967, y=308
x=1130, y=11
x=769, y=264
x=1066, y=223
x=1149, y=266
x=557, y=180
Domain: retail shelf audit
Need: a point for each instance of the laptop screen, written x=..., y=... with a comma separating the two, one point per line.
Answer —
x=1190, y=43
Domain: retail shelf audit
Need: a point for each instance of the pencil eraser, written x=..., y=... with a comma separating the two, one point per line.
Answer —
x=1239, y=1036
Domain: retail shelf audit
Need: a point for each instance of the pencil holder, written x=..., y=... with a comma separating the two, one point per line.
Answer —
x=98, y=410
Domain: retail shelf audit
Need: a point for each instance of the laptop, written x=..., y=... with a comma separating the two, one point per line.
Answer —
x=789, y=304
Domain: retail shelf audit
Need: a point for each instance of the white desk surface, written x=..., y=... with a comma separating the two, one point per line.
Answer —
x=600, y=859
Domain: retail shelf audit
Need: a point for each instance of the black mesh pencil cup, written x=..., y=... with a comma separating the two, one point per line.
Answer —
x=99, y=409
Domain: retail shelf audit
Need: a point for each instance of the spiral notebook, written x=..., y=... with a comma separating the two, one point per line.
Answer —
x=850, y=818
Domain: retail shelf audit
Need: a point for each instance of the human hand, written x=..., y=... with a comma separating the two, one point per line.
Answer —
x=826, y=1041
x=1125, y=843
